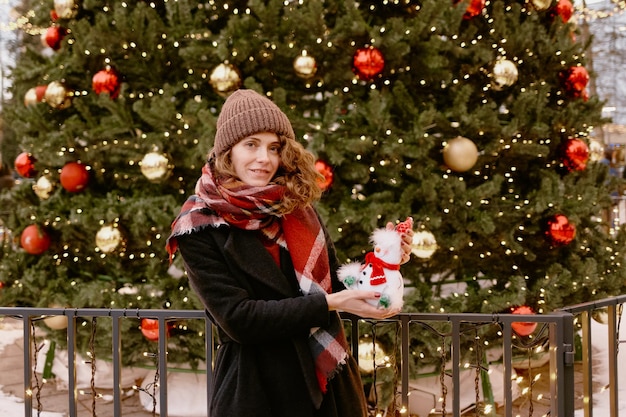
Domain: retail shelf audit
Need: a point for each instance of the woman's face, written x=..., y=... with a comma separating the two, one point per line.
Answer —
x=256, y=158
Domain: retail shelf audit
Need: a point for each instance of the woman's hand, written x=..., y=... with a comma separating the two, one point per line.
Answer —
x=407, y=243
x=355, y=302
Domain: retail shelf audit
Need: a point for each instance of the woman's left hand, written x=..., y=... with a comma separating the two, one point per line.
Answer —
x=407, y=242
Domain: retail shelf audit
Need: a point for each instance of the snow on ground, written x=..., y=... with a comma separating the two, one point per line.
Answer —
x=600, y=371
x=10, y=405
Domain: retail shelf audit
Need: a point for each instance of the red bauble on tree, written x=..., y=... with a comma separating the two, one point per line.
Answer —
x=575, y=80
x=520, y=327
x=559, y=230
x=106, y=81
x=474, y=8
x=35, y=240
x=150, y=329
x=575, y=154
x=565, y=9
x=368, y=63
x=25, y=165
x=327, y=171
x=74, y=177
x=53, y=36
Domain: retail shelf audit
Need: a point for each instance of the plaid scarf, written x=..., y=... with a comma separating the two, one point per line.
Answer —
x=256, y=208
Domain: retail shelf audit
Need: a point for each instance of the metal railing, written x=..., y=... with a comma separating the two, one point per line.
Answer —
x=557, y=331
x=606, y=311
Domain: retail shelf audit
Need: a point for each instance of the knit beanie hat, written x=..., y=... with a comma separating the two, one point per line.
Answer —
x=244, y=113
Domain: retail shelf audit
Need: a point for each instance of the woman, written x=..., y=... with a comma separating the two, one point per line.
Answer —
x=265, y=269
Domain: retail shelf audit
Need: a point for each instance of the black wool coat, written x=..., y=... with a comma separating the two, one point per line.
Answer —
x=264, y=366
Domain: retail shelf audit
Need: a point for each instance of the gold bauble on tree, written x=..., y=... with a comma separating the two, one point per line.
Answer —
x=541, y=4
x=57, y=95
x=601, y=315
x=65, y=9
x=596, y=150
x=424, y=244
x=460, y=154
x=155, y=166
x=225, y=79
x=305, y=65
x=108, y=238
x=504, y=74
x=43, y=187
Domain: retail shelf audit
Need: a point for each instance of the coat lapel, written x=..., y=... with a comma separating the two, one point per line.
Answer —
x=248, y=253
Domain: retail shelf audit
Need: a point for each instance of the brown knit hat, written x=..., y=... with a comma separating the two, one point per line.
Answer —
x=246, y=112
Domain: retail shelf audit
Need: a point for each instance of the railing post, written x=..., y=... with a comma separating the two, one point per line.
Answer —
x=562, y=365
x=612, y=344
x=455, y=346
x=163, y=367
x=71, y=363
x=585, y=319
x=28, y=375
x=116, y=343
x=507, y=347
x=404, y=366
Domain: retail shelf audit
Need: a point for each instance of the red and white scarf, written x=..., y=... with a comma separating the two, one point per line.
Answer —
x=256, y=208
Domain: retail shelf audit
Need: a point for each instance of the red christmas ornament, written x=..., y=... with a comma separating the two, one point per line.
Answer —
x=74, y=177
x=327, y=171
x=53, y=37
x=367, y=63
x=106, y=81
x=35, y=240
x=25, y=165
x=150, y=329
x=575, y=154
x=575, y=81
x=473, y=9
x=560, y=231
x=523, y=328
x=565, y=9
x=53, y=15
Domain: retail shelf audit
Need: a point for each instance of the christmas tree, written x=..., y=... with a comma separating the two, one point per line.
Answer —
x=471, y=117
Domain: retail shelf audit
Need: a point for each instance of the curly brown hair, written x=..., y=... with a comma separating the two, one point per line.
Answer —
x=297, y=173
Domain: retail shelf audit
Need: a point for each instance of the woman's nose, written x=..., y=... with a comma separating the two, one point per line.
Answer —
x=262, y=154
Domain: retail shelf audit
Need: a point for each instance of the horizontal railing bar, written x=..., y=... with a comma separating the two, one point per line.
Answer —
x=199, y=314
x=593, y=305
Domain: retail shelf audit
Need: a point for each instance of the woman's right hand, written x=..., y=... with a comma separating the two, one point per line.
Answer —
x=355, y=302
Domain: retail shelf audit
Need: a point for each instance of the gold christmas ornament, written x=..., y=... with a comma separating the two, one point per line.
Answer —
x=596, y=150
x=65, y=9
x=56, y=322
x=371, y=355
x=460, y=154
x=305, y=65
x=57, y=96
x=43, y=187
x=504, y=73
x=541, y=4
x=155, y=166
x=30, y=97
x=424, y=244
x=108, y=238
x=601, y=315
x=225, y=79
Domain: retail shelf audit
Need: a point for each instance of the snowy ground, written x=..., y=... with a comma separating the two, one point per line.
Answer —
x=10, y=405
x=599, y=345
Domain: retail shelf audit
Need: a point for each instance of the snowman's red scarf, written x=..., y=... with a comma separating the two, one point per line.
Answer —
x=256, y=208
x=378, y=276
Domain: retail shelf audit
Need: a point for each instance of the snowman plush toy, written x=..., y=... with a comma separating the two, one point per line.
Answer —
x=381, y=270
